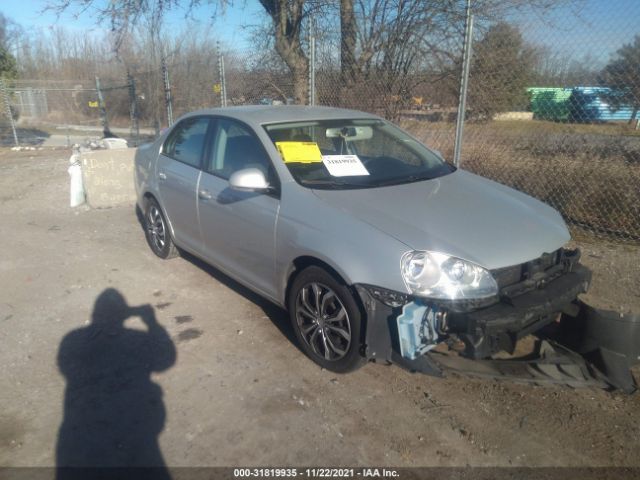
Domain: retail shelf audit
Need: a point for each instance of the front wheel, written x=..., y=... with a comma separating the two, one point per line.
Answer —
x=326, y=320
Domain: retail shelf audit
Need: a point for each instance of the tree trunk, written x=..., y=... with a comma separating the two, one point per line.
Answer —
x=347, y=41
x=301, y=84
x=298, y=64
x=347, y=54
x=287, y=16
x=634, y=114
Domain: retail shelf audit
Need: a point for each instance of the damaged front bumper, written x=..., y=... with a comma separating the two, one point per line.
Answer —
x=550, y=310
x=498, y=328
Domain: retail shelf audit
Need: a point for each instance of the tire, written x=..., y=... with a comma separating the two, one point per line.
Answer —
x=157, y=232
x=329, y=333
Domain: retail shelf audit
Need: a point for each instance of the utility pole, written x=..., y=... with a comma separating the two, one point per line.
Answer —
x=7, y=106
x=312, y=62
x=464, y=80
x=133, y=109
x=167, y=92
x=103, y=111
x=223, y=82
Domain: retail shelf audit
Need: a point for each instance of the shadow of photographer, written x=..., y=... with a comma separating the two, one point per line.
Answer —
x=113, y=411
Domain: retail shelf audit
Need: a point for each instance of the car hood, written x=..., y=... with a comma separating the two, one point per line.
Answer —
x=460, y=214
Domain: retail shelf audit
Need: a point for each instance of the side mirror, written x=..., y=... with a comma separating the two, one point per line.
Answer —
x=249, y=180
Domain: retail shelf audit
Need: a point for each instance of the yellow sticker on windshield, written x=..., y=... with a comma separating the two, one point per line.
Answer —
x=299, y=152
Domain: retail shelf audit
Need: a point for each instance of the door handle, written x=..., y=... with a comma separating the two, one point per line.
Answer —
x=162, y=176
x=204, y=195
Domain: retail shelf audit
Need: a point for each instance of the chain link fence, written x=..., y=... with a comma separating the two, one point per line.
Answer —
x=551, y=104
x=57, y=112
x=559, y=119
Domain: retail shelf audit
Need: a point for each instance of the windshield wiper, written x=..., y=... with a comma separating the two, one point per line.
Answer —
x=401, y=180
x=333, y=184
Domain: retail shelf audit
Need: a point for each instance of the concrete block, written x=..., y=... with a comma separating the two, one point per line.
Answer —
x=108, y=177
x=114, y=143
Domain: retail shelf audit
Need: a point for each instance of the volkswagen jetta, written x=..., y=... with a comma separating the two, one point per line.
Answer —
x=376, y=246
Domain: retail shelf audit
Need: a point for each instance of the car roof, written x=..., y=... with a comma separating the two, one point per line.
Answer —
x=263, y=114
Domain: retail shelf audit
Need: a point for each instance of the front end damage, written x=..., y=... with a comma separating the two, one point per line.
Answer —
x=535, y=331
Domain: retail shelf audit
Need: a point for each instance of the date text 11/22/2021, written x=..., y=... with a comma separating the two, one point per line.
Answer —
x=315, y=472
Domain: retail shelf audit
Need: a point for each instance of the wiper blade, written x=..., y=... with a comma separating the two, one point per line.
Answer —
x=401, y=180
x=331, y=184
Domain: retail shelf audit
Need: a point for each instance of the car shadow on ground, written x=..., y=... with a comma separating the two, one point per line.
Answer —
x=278, y=316
x=113, y=411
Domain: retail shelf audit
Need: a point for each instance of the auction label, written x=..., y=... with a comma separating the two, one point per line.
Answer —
x=316, y=472
x=344, y=165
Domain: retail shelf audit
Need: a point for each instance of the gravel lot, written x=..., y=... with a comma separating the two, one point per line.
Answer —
x=238, y=390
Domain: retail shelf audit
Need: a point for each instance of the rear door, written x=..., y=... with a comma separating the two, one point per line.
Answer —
x=238, y=228
x=178, y=172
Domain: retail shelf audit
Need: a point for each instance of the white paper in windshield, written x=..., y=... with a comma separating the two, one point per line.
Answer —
x=344, y=165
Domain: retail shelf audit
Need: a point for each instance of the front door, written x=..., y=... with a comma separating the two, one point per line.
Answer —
x=238, y=228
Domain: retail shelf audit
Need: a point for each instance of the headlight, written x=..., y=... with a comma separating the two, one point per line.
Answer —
x=439, y=276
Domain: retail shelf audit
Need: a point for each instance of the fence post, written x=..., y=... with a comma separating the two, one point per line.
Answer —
x=167, y=92
x=33, y=111
x=103, y=111
x=133, y=109
x=312, y=70
x=223, y=82
x=7, y=105
x=464, y=80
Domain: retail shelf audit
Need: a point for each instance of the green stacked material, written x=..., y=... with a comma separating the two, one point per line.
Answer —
x=550, y=103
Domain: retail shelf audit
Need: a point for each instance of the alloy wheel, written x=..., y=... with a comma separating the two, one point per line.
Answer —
x=156, y=228
x=323, y=321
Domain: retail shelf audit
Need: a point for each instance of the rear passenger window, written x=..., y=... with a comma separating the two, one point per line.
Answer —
x=186, y=141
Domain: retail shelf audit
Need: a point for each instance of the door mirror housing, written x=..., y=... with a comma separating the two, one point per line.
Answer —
x=249, y=180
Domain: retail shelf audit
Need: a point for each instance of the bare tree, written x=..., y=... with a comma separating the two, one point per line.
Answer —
x=286, y=18
x=10, y=32
x=394, y=46
x=386, y=45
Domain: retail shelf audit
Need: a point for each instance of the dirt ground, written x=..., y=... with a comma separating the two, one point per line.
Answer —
x=238, y=391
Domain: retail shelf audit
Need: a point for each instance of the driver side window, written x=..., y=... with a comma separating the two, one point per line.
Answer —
x=186, y=141
x=235, y=148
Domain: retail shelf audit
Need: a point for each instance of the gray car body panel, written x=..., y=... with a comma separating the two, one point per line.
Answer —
x=460, y=214
x=363, y=233
x=358, y=251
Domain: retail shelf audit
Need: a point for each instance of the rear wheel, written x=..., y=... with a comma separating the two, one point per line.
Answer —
x=326, y=320
x=157, y=231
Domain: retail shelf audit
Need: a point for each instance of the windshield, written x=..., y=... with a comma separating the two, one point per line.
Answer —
x=353, y=154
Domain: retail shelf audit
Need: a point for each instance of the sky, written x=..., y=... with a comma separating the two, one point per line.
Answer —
x=594, y=27
x=228, y=25
x=597, y=28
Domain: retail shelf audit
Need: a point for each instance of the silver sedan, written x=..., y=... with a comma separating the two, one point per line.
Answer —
x=377, y=247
